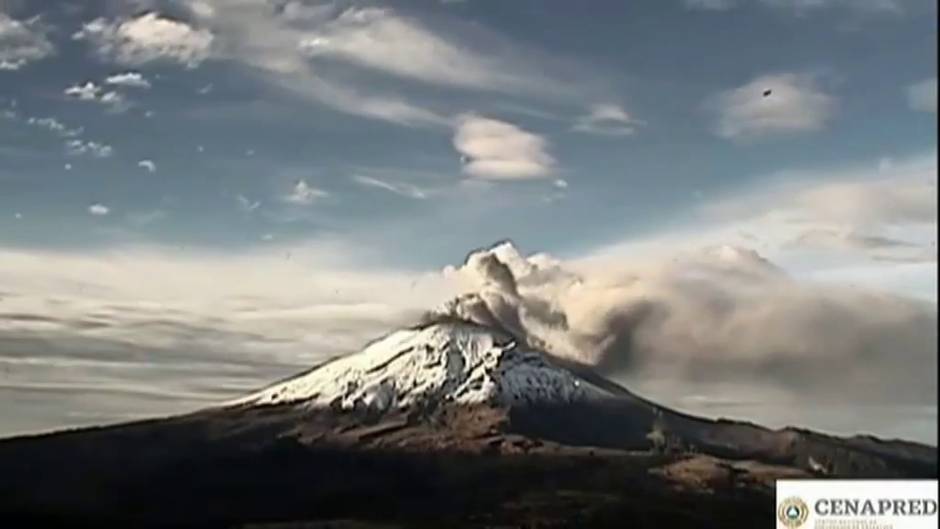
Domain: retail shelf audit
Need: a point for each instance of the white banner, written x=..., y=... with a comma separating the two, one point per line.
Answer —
x=856, y=504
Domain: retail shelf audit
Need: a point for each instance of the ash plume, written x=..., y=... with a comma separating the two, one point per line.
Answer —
x=722, y=313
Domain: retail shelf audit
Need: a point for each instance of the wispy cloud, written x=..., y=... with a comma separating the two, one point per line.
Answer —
x=800, y=6
x=399, y=188
x=130, y=79
x=99, y=210
x=922, y=96
x=79, y=147
x=713, y=5
x=303, y=194
x=384, y=40
x=148, y=165
x=886, y=6
x=296, y=46
x=145, y=38
x=848, y=240
x=867, y=211
x=87, y=91
x=21, y=42
x=772, y=104
x=267, y=40
x=498, y=150
x=607, y=119
x=92, y=92
x=54, y=125
x=247, y=205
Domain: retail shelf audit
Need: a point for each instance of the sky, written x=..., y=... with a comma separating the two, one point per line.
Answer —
x=200, y=196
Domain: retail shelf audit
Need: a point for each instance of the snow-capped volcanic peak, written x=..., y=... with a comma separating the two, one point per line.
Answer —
x=455, y=362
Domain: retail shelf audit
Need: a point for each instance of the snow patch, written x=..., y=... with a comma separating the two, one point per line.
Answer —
x=453, y=362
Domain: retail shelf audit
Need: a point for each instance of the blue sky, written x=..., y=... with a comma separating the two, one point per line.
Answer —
x=237, y=109
x=259, y=143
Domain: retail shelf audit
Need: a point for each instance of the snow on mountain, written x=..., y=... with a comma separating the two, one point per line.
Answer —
x=456, y=362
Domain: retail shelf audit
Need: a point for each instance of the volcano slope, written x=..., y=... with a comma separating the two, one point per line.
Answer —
x=449, y=424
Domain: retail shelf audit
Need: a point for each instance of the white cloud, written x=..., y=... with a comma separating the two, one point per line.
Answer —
x=303, y=194
x=772, y=104
x=86, y=92
x=399, y=188
x=858, y=5
x=111, y=98
x=54, y=125
x=254, y=34
x=497, y=150
x=99, y=209
x=131, y=79
x=21, y=43
x=384, y=40
x=922, y=96
x=296, y=47
x=607, y=119
x=858, y=226
x=715, y=5
x=92, y=92
x=200, y=8
x=79, y=147
x=799, y=6
x=246, y=204
x=149, y=165
x=145, y=38
x=857, y=198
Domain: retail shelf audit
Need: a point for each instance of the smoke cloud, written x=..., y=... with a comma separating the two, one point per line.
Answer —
x=720, y=314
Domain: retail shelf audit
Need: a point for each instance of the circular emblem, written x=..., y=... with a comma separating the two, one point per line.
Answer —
x=792, y=512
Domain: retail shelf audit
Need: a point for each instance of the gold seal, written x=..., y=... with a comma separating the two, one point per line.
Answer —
x=792, y=512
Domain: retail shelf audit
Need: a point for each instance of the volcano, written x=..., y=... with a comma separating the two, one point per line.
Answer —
x=449, y=423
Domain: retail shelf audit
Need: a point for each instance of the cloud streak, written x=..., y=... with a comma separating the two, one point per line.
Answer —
x=607, y=120
x=398, y=188
x=800, y=6
x=303, y=194
x=383, y=40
